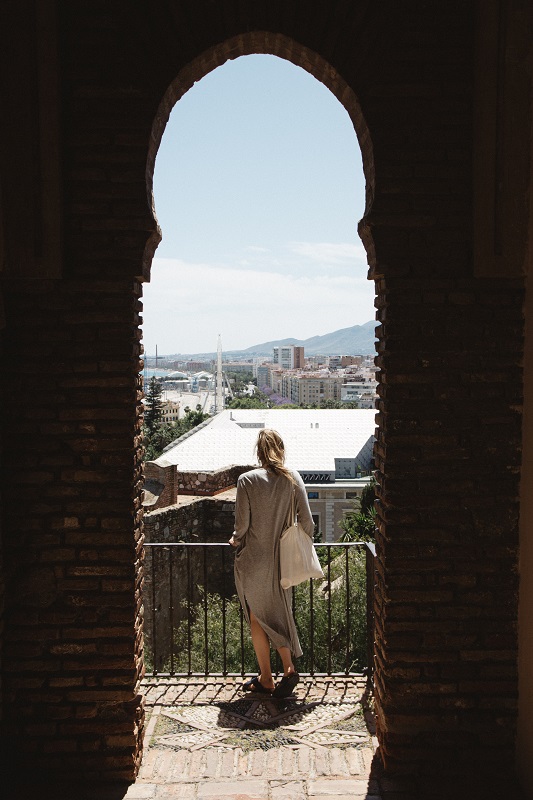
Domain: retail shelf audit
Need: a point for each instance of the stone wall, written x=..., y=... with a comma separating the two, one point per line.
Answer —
x=209, y=483
x=176, y=483
x=178, y=577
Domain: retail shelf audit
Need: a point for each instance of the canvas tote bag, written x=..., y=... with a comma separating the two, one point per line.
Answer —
x=298, y=558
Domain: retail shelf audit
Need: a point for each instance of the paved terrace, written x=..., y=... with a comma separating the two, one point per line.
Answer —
x=205, y=740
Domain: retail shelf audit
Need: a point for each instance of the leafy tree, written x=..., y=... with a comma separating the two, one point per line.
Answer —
x=239, y=380
x=367, y=499
x=191, y=419
x=154, y=404
x=162, y=434
x=155, y=441
x=247, y=402
x=359, y=524
x=259, y=400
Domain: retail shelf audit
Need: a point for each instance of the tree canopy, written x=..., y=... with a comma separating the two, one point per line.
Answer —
x=154, y=405
x=163, y=433
x=359, y=524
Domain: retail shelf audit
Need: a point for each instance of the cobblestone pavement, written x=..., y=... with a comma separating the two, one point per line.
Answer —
x=205, y=739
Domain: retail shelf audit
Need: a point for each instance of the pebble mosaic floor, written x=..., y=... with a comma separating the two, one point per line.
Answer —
x=251, y=723
x=194, y=714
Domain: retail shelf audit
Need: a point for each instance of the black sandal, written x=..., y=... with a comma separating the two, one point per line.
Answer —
x=255, y=686
x=286, y=685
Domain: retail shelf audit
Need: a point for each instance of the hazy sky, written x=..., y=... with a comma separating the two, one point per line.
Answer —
x=258, y=190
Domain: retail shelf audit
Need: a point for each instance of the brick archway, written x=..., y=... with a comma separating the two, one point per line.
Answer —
x=86, y=84
x=253, y=43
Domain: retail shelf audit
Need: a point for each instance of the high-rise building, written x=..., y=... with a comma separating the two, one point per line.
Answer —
x=289, y=357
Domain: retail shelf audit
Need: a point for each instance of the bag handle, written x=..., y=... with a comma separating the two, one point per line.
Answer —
x=293, y=507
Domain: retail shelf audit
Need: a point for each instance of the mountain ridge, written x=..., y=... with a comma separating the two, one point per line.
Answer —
x=356, y=340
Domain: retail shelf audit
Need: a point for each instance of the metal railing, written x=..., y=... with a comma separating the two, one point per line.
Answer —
x=194, y=624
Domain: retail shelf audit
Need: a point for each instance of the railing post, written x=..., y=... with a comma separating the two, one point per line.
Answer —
x=206, y=630
x=370, y=551
x=224, y=634
x=189, y=611
x=329, y=610
x=154, y=612
x=347, y=612
x=170, y=611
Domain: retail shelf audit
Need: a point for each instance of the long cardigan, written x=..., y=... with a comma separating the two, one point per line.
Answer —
x=261, y=515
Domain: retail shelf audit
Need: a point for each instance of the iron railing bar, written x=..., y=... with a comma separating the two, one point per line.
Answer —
x=171, y=611
x=224, y=640
x=370, y=551
x=329, y=610
x=189, y=612
x=154, y=627
x=358, y=675
x=206, y=628
x=347, y=589
x=241, y=617
x=327, y=545
x=312, y=631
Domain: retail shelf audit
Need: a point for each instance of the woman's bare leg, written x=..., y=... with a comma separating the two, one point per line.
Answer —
x=286, y=658
x=262, y=651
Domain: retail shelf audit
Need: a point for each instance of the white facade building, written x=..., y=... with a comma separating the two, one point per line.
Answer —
x=331, y=449
x=288, y=357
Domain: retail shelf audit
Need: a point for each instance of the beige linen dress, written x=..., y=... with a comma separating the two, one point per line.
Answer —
x=261, y=515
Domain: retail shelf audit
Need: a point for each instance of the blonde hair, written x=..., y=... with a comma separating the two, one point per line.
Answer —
x=271, y=453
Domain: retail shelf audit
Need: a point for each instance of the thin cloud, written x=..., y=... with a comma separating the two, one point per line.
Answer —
x=188, y=304
x=329, y=252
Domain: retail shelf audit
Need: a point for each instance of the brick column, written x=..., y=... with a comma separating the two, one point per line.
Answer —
x=73, y=659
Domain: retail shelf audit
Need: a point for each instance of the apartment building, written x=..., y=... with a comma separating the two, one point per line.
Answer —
x=289, y=357
x=170, y=411
x=362, y=391
x=308, y=388
x=261, y=372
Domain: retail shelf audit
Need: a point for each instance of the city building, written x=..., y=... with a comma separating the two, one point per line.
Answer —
x=237, y=366
x=308, y=388
x=349, y=361
x=330, y=448
x=289, y=357
x=261, y=372
x=363, y=392
x=170, y=411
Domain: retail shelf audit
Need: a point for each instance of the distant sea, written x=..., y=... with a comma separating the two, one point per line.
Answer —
x=151, y=372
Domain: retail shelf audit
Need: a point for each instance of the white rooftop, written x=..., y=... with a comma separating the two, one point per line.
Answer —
x=313, y=439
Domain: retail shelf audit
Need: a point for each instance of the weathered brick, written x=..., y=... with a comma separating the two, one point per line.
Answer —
x=450, y=347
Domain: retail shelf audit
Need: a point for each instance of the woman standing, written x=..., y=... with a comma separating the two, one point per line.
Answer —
x=262, y=513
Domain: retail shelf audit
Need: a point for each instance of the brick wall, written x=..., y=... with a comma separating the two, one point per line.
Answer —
x=450, y=342
x=165, y=477
x=73, y=663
